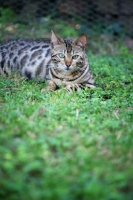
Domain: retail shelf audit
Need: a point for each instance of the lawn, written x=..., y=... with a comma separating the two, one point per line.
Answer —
x=61, y=146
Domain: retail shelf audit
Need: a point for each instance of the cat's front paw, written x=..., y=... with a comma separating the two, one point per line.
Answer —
x=50, y=88
x=73, y=87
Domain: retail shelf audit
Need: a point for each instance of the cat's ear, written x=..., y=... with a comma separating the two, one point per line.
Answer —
x=55, y=40
x=81, y=41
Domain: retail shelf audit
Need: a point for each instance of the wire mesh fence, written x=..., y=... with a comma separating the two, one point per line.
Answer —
x=111, y=17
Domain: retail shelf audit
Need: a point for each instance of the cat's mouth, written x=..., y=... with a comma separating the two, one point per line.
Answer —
x=67, y=68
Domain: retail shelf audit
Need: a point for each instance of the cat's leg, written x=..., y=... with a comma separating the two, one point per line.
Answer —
x=51, y=86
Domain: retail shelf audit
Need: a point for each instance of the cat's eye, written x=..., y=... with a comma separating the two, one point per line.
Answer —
x=75, y=56
x=61, y=55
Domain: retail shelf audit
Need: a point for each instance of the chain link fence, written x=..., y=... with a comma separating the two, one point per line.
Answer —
x=111, y=17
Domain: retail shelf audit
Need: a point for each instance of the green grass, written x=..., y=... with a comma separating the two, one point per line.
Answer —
x=60, y=146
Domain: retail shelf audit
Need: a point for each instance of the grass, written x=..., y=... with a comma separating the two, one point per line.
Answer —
x=60, y=146
x=69, y=146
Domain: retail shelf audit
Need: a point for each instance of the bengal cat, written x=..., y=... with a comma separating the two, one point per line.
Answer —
x=62, y=62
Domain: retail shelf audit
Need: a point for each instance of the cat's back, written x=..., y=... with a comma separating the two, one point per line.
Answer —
x=19, y=44
x=26, y=55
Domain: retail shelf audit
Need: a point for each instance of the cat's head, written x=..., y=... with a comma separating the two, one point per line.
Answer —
x=68, y=55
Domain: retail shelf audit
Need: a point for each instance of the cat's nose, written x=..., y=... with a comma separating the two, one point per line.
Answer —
x=68, y=64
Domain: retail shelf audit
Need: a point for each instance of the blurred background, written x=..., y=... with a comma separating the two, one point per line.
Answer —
x=104, y=22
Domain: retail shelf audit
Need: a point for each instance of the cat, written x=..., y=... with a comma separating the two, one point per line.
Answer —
x=62, y=62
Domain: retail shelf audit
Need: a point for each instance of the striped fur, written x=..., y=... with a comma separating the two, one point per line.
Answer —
x=62, y=62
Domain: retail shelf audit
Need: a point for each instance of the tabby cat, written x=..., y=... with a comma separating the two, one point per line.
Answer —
x=62, y=62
